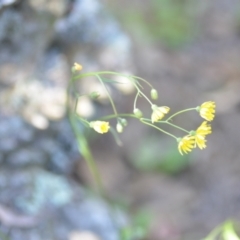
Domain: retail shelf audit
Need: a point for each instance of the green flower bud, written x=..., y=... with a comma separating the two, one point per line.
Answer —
x=154, y=94
x=137, y=112
x=94, y=95
x=123, y=121
x=119, y=127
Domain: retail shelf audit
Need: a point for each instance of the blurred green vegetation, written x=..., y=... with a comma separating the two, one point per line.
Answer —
x=226, y=231
x=171, y=22
x=139, y=228
x=159, y=155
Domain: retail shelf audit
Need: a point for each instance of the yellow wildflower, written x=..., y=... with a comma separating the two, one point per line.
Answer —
x=207, y=110
x=204, y=129
x=159, y=112
x=100, y=126
x=200, y=141
x=200, y=134
x=186, y=144
x=77, y=67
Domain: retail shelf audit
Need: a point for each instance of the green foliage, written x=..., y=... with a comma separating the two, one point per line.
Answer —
x=172, y=22
x=155, y=154
x=226, y=231
x=138, y=229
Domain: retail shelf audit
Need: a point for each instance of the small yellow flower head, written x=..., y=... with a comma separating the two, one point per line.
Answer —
x=204, y=129
x=186, y=144
x=200, y=141
x=200, y=134
x=159, y=112
x=100, y=126
x=76, y=67
x=207, y=110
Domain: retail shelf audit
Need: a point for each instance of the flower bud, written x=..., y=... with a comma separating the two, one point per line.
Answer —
x=137, y=112
x=154, y=94
x=94, y=95
x=119, y=127
x=123, y=121
x=76, y=67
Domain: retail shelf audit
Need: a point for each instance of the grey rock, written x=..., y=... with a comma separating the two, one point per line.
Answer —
x=26, y=157
x=54, y=201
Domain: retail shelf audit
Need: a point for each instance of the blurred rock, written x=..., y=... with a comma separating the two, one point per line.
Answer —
x=39, y=41
x=46, y=198
x=5, y=3
x=83, y=236
x=56, y=7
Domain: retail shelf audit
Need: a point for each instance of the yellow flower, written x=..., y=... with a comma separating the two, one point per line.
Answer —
x=77, y=67
x=186, y=144
x=200, y=134
x=158, y=112
x=207, y=110
x=200, y=141
x=100, y=126
x=204, y=129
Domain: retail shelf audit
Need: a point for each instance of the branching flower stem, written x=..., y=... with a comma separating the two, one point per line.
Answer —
x=143, y=120
x=180, y=112
x=111, y=73
x=83, y=146
x=109, y=97
x=173, y=125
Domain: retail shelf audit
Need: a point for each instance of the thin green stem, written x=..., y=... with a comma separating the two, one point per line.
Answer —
x=173, y=125
x=111, y=73
x=141, y=93
x=135, y=100
x=109, y=96
x=142, y=120
x=142, y=79
x=82, y=120
x=177, y=113
x=83, y=146
x=119, y=115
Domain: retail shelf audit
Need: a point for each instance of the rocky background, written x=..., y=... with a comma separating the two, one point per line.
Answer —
x=189, y=50
x=41, y=197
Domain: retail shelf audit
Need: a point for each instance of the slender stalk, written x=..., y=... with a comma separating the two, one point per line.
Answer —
x=141, y=93
x=85, y=151
x=109, y=96
x=135, y=100
x=83, y=145
x=185, y=110
x=173, y=125
x=158, y=128
x=119, y=115
x=111, y=73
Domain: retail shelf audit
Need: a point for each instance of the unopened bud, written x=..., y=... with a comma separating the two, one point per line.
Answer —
x=123, y=121
x=94, y=95
x=137, y=112
x=119, y=127
x=154, y=94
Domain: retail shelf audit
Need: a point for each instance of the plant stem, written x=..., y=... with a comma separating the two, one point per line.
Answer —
x=83, y=145
x=109, y=97
x=185, y=110
x=119, y=115
x=173, y=125
x=152, y=125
